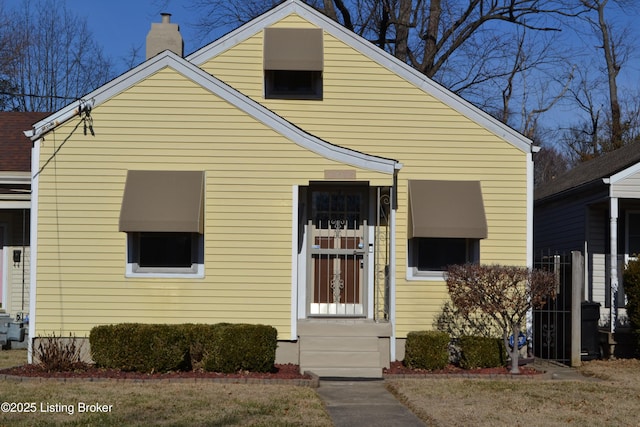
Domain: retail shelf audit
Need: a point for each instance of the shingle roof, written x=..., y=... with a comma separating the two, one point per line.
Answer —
x=603, y=166
x=15, y=148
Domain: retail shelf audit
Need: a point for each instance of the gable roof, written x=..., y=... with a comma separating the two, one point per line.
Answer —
x=593, y=171
x=15, y=149
x=224, y=91
x=372, y=52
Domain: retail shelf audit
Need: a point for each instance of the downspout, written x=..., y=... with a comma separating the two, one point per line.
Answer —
x=529, y=239
x=392, y=262
x=530, y=190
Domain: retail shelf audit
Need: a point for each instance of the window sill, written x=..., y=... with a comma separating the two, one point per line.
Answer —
x=165, y=275
x=424, y=276
x=196, y=274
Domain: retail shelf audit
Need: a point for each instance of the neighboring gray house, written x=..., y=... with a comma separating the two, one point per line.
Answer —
x=595, y=209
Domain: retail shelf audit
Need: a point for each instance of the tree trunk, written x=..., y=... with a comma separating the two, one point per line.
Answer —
x=515, y=351
x=402, y=25
x=613, y=68
x=431, y=39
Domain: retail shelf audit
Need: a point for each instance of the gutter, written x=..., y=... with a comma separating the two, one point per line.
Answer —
x=50, y=123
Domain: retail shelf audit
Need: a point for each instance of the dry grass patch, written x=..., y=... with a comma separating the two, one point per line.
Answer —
x=161, y=403
x=478, y=402
x=158, y=403
x=11, y=358
x=624, y=372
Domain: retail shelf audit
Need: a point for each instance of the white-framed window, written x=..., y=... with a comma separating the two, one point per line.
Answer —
x=446, y=221
x=429, y=257
x=162, y=213
x=293, y=62
x=164, y=254
x=292, y=84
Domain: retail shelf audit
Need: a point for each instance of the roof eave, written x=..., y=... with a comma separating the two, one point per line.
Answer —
x=226, y=92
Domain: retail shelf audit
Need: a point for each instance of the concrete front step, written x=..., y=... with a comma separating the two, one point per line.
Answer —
x=361, y=344
x=343, y=348
x=345, y=358
x=346, y=372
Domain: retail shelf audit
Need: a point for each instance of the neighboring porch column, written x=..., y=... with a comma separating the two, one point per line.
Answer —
x=613, y=243
x=392, y=266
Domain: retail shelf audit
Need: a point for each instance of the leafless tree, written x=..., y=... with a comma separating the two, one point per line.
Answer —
x=9, y=51
x=549, y=163
x=443, y=39
x=611, y=40
x=56, y=58
x=504, y=293
x=534, y=96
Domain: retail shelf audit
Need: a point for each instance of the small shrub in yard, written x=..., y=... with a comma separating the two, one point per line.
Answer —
x=55, y=353
x=481, y=352
x=242, y=347
x=427, y=350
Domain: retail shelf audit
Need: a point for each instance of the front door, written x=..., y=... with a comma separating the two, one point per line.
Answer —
x=337, y=253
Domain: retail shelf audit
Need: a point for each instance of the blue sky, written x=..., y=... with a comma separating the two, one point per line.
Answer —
x=119, y=25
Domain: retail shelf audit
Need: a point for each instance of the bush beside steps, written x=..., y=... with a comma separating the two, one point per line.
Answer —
x=430, y=350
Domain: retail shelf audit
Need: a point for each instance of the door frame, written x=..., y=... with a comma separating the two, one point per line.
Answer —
x=302, y=255
x=339, y=255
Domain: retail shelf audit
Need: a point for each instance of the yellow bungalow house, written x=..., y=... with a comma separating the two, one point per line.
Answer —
x=290, y=174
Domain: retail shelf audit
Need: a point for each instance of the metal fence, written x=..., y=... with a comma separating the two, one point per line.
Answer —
x=552, y=323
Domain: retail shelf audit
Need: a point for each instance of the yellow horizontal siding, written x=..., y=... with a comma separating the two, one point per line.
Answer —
x=369, y=108
x=248, y=204
x=250, y=172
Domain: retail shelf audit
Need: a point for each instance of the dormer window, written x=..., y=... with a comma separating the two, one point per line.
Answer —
x=293, y=63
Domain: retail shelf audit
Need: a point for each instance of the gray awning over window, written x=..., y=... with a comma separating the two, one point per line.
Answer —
x=164, y=201
x=450, y=209
x=293, y=49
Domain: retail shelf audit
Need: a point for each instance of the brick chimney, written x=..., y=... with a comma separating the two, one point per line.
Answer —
x=164, y=36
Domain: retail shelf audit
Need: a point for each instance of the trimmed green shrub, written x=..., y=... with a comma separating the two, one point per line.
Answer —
x=427, y=350
x=481, y=352
x=631, y=278
x=242, y=348
x=140, y=347
x=201, y=339
x=221, y=347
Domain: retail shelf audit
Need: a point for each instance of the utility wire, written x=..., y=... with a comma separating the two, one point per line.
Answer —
x=58, y=149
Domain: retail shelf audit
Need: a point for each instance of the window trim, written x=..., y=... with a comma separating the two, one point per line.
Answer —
x=315, y=93
x=196, y=271
x=414, y=274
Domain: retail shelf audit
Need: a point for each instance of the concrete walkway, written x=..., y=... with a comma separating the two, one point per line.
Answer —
x=558, y=371
x=355, y=403
x=364, y=403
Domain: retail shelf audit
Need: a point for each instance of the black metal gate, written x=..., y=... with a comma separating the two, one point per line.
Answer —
x=552, y=323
